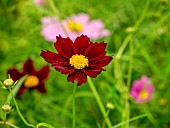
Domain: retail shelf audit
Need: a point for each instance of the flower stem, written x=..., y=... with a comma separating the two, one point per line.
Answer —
x=56, y=12
x=44, y=124
x=73, y=105
x=124, y=97
x=136, y=26
x=100, y=104
x=9, y=124
x=106, y=116
x=130, y=120
x=130, y=64
x=5, y=119
x=52, y=5
x=149, y=116
x=18, y=111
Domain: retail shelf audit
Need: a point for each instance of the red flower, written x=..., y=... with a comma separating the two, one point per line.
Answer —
x=78, y=59
x=35, y=79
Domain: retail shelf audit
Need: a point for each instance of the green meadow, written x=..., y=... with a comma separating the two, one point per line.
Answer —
x=139, y=43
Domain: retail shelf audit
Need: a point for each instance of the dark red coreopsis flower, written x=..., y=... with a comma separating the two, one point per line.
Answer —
x=78, y=59
x=35, y=79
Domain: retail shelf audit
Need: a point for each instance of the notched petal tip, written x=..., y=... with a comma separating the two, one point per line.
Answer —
x=28, y=67
x=95, y=49
x=82, y=35
x=64, y=46
x=81, y=44
x=44, y=72
x=41, y=88
x=78, y=76
x=102, y=62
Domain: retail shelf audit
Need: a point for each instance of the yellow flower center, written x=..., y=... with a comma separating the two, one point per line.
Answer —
x=31, y=81
x=79, y=61
x=143, y=94
x=75, y=26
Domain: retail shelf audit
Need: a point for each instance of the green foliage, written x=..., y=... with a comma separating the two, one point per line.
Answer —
x=147, y=52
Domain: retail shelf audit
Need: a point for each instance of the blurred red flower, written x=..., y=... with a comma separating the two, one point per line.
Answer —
x=35, y=79
x=78, y=59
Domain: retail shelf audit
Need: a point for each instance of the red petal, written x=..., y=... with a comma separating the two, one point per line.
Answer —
x=43, y=73
x=101, y=56
x=14, y=74
x=78, y=76
x=28, y=67
x=81, y=44
x=41, y=88
x=21, y=90
x=52, y=57
x=95, y=49
x=60, y=63
x=64, y=46
x=65, y=69
x=93, y=71
x=100, y=63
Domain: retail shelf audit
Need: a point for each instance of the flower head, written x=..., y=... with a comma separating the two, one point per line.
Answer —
x=74, y=26
x=142, y=90
x=35, y=79
x=78, y=59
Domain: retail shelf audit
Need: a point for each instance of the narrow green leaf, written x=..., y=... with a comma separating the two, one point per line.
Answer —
x=15, y=89
x=132, y=119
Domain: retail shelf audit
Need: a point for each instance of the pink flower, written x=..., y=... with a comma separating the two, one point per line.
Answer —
x=39, y=2
x=51, y=28
x=142, y=90
x=74, y=26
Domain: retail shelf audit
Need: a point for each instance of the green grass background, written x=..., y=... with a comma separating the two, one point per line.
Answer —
x=147, y=52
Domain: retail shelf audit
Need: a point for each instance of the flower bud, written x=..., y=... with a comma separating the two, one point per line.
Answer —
x=6, y=108
x=110, y=106
x=162, y=102
x=8, y=82
x=130, y=29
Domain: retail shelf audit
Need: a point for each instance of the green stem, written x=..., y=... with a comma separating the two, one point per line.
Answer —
x=100, y=104
x=136, y=26
x=15, y=89
x=18, y=111
x=44, y=124
x=52, y=5
x=123, y=46
x=149, y=116
x=5, y=119
x=9, y=124
x=130, y=64
x=124, y=97
x=56, y=12
x=73, y=105
x=126, y=113
x=132, y=119
x=123, y=88
x=106, y=116
x=66, y=113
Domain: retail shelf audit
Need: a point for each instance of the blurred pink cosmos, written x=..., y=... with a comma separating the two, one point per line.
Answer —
x=73, y=27
x=51, y=28
x=142, y=90
x=39, y=2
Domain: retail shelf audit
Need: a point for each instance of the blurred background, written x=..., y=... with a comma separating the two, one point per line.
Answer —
x=140, y=28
